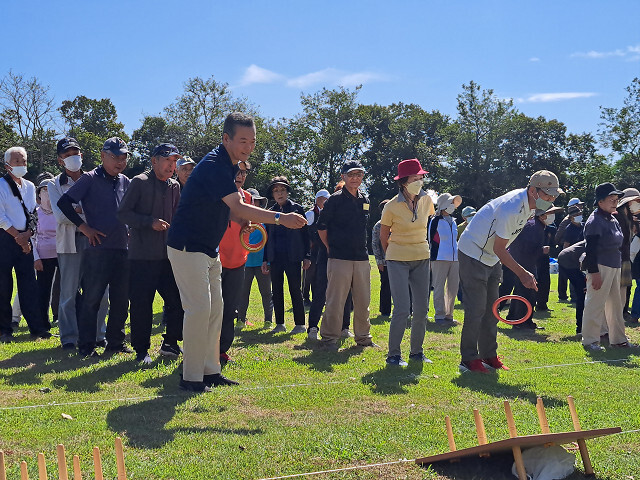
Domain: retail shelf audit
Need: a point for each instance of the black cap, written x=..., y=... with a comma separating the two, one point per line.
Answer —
x=165, y=150
x=66, y=143
x=351, y=165
x=115, y=145
x=604, y=190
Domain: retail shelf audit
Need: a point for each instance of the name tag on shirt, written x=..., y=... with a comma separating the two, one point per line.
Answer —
x=365, y=206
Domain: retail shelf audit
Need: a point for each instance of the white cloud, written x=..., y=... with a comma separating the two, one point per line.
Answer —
x=555, y=97
x=534, y=59
x=327, y=75
x=631, y=50
x=255, y=74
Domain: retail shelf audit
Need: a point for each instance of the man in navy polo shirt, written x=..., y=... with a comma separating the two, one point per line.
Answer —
x=104, y=262
x=198, y=225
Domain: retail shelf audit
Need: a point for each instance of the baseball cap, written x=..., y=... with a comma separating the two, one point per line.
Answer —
x=574, y=201
x=184, y=161
x=323, y=194
x=65, y=144
x=468, y=211
x=165, y=150
x=547, y=182
x=116, y=146
x=351, y=165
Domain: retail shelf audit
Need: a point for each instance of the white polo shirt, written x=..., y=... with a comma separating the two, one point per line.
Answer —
x=504, y=216
x=11, y=212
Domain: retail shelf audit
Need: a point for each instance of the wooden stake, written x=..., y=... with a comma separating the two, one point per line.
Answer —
x=516, y=450
x=3, y=472
x=582, y=445
x=452, y=442
x=62, y=463
x=542, y=416
x=97, y=464
x=482, y=435
x=24, y=474
x=122, y=472
x=77, y=474
x=42, y=467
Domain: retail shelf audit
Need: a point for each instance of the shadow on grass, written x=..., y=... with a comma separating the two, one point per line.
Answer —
x=90, y=380
x=144, y=423
x=380, y=320
x=245, y=338
x=32, y=364
x=321, y=359
x=525, y=334
x=392, y=380
x=490, y=384
x=495, y=467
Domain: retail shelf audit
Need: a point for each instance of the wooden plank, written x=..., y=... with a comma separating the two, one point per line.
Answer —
x=522, y=442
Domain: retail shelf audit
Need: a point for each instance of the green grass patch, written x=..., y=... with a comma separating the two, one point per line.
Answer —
x=298, y=409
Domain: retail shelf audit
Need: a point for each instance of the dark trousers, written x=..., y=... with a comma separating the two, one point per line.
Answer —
x=145, y=278
x=518, y=309
x=578, y=281
x=562, y=284
x=307, y=281
x=320, y=295
x=232, y=280
x=293, y=272
x=101, y=268
x=509, y=280
x=543, y=277
x=13, y=258
x=45, y=282
x=385, y=292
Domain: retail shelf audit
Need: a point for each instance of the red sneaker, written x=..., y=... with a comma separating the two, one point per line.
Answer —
x=224, y=358
x=495, y=363
x=473, y=366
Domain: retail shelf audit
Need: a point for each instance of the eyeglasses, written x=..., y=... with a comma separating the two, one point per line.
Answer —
x=243, y=173
x=357, y=174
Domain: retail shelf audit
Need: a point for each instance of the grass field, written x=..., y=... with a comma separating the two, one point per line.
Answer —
x=300, y=410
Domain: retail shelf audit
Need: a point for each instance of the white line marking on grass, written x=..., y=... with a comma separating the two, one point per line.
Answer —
x=357, y=467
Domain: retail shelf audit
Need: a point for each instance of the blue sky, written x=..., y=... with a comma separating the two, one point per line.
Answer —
x=558, y=59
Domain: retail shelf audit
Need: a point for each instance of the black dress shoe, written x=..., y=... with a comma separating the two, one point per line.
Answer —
x=88, y=353
x=217, y=380
x=194, y=386
x=43, y=334
x=68, y=346
x=6, y=338
x=122, y=348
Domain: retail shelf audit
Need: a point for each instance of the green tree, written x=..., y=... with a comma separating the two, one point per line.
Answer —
x=475, y=137
x=91, y=122
x=151, y=133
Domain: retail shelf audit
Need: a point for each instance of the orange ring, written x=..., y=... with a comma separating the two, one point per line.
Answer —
x=512, y=297
x=258, y=246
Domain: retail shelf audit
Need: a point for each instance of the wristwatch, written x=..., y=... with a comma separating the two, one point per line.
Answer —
x=277, y=218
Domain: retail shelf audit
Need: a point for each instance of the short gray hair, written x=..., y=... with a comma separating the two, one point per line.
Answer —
x=7, y=154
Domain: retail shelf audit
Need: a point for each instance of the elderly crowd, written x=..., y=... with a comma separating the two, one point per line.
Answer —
x=115, y=242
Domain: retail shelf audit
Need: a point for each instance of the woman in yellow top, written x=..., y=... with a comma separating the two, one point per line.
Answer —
x=403, y=234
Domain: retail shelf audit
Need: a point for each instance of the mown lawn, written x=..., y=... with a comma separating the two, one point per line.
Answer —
x=299, y=409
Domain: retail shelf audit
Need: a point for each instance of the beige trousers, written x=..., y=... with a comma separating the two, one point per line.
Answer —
x=603, y=305
x=343, y=275
x=445, y=276
x=198, y=279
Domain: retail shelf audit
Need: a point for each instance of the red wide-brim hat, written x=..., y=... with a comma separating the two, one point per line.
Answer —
x=409, y=167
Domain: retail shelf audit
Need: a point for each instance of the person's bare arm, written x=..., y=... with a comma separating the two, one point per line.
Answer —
x=258, y=215
x=500, y=249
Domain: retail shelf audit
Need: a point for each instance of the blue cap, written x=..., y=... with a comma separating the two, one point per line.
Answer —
x=165, y=150
x=116, y=146
x=65, y=144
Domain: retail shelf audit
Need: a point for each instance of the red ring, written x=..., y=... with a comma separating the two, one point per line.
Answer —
x=258, y=246
x=512, y=297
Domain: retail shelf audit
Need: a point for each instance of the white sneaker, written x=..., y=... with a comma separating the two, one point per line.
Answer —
x=298, y=329
x=279, y=328
x=313, y=333
x=346, y=333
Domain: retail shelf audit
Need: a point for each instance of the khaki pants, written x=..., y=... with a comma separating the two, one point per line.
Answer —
x=198, y=279
x=446, y=279
x=603, y=305
x=343, y=275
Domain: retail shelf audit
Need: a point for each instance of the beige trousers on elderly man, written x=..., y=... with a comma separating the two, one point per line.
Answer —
x=603, y=305
x=198, y=279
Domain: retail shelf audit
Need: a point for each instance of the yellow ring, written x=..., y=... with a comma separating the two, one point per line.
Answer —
x=258, y=246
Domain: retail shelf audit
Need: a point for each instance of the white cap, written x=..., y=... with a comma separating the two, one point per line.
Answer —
x=323, y=193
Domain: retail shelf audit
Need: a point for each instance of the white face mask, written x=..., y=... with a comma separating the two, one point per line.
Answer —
x=450, y=209
x=73, y=163
x=414, y=187
x=634, y=207
x=19, y=172
x=577, y=219
x=550, y=219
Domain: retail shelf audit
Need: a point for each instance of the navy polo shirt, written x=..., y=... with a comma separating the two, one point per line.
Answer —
x=202, y=216
x=100, y=195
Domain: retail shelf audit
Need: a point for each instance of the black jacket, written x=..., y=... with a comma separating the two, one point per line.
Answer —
x=298, y=247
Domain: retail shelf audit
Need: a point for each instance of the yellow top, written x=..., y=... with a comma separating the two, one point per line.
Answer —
x=408, y=240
